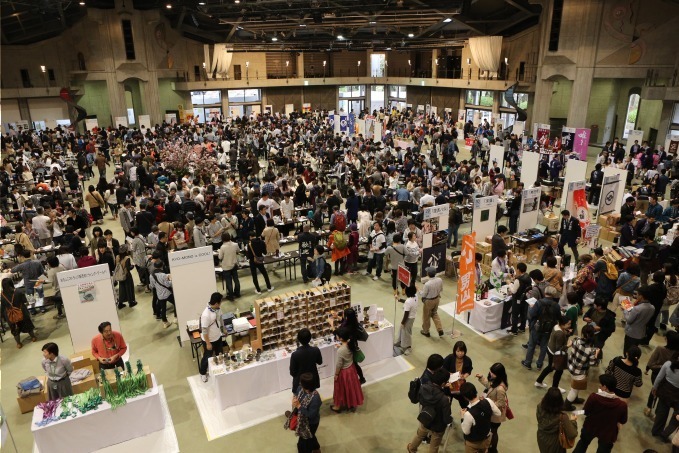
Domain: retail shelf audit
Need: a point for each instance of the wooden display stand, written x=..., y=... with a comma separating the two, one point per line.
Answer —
x=279, y=318
x=111, y=377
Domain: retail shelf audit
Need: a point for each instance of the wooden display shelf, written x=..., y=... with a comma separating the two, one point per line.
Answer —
x=280, y=317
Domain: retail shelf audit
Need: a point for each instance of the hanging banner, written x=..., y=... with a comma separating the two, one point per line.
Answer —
x=541, y=134
x=466, y=286
x=581, y=142
x=609, y=194
x=351, y=124
x=343, y=122
x=577, y=203
x=518, y=128
x=434, y=257
x=567, y=138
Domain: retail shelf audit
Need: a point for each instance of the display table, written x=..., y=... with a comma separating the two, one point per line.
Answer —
x=403, y=143
x=488, y=314
x=261, y=379
x=102, y=427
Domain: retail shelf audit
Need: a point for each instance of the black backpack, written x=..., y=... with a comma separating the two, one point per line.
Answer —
x=547, y=319
x=414, y=391
x=427, y=415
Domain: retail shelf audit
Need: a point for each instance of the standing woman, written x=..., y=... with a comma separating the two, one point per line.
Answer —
x=356, y=334
x=659, y=356
x=458, y=362
x=15, y=312
x=105, y=255
x=496, y=391
x=126, y=288
x=626, y=372
x=96, y=203
x=557, y=354
x=307, y=402
x=667, y=392
x=581, y=355
x=551, y=420
x=112, y=201
x=97, y=233
x=347, y=392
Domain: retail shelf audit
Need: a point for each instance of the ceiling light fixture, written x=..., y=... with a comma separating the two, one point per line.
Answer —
x=447, y=20
x=236, y=1
x=274, y=39
x=302, y=25
x=340, y=37
x=372, y=22
x=82, y=3
x=411, y=35
x=201, y=3
x=388, y=48
x=168, y=6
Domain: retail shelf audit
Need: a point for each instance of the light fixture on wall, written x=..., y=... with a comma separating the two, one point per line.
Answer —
x=358, y=69
x=247, y=72
x=506, y=70
x=469, y=78
x=287, y=65
x=324, y=62
x=42, y=68
x=410, y=70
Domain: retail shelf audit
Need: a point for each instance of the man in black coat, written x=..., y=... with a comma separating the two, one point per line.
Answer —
x=305, y=360
x=145, y=221
x=596, y=178
x=260, y=220
x=553, y=248
x=570, y=233
x=497, y=243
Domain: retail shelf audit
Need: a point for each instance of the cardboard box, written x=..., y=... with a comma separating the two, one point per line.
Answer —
x=603, y=233
x=111, y=378
x=487, y=259
x=84, y=359
x=483, y=247
x=613, y=219
x=602, y=220
x=27, y=404
x=551, y=222
x=88, y=383
x=613, y=235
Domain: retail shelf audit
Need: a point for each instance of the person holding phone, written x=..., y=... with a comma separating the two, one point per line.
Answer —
x=108, y=347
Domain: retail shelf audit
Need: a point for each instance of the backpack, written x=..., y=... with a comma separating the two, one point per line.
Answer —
x=414, y=390
x=120, y=273
x=340, y=221
x=14, y=314
x=427, y=415
x=611, y=272
x=547, y=320
x=339, y=240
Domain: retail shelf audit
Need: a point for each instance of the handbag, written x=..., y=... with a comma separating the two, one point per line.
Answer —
x=564, y=441
x=14, y=314
x=359, y=356
x=589, y=285
x=579, y=384
x=559, y=362
x=291, y=420
x=362, y=335
x=509, y=413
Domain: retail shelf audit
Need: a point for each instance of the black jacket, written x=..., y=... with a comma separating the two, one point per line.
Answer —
x=260, y=224
x=107, y=258
x=304, y=360
x=607, y=324
x=570, y=231
x=257, y=247
x=627, y=235
x=432, y=396
x=549, y=251
x=449, y=364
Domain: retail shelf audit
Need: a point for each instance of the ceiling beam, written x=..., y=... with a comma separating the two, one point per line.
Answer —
x=234, y=28
x=216, y=37
x=516, y=4
x=510, y=22
x=62, y=17
x=180, y=20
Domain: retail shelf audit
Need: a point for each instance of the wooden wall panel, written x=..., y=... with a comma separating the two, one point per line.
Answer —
x=320, y=97
x=279, y=96
x=275, y=65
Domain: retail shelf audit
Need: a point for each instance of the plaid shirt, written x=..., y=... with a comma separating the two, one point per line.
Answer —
x=268, y=188
x=580, y=357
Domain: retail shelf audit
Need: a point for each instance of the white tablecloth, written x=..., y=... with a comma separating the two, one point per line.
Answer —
x=404, y=143
x=101, y=428
x=486, y=318
x=266, y=378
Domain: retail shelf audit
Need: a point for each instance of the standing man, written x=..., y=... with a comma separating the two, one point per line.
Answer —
x=109, y=347
x=405, y=335
x=58, y=369
x=497, y=242
x=521, y=284
x=126, y=217
x=228, y=257
x=378, y=244
x=543, y=316
x=570, y=233
x=431, y=296
x=307, y=242
x=432, y=398
x=605, y=413
x=476, y=420
x=637, y=317
x=214, y=231
x=305, y=360
x=596, y=178
x=211, y=332
x=42, y=225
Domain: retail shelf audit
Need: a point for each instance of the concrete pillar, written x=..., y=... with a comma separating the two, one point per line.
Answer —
x=541, y=102
x=434, y=65
x=300, y=65
x=665, y=121
x=116, y=96
x=609, y=133
x=150, y=99
x=582, y=88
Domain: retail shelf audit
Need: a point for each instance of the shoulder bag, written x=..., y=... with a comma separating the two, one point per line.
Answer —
x=14, y=314
x=564, y=441
x=120, y=273
x=256, y=259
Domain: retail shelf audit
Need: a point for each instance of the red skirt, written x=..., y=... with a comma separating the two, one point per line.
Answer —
x=348, y=391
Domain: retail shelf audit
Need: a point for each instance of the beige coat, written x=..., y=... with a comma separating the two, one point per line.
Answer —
x=499, y=396
x=271, y=237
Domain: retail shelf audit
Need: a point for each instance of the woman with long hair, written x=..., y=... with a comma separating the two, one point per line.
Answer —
x=626, y=371
x=551, y=420
x=347, y=392
x=126, y=287
x=581, y=356
x=96, y=203
x=350, y=321
x=15, y=312
x=496, y=390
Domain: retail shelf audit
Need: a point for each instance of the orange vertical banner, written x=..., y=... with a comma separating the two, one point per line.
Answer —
x=466, y=286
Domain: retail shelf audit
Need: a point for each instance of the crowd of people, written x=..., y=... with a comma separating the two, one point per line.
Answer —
x=244, y=186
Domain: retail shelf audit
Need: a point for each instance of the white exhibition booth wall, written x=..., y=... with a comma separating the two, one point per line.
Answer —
x=632, y=136
x=497, y=154
x=576, y=170
x=518, y=128
x=193, y=282
x=483, y=218
x=530, y=208
x=530, y=165
x=88, y=300
x=607, y=191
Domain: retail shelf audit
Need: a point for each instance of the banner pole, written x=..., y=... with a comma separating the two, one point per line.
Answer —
x=455, y=333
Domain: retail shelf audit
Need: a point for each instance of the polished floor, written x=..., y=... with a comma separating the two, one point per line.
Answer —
x=385, y=423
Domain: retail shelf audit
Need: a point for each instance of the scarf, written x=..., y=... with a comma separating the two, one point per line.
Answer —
x=303, y=429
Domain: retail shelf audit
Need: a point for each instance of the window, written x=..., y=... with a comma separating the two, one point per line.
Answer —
x=555, y=30
x=352, y=91
x=377, y=64
x=206, y=97
x=675, y=113
x=632, y=114
x=520, y=98
x=397, y=91
x=25, y=78
x=376, y=97
x=478, y=97
x=50, y=75
x=243, y=96
x=128, y=39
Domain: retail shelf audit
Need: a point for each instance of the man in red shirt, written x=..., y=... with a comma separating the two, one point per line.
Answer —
x=109, y=347
x=605, y=414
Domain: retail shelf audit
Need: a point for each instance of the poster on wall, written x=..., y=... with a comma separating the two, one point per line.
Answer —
x=120, y=121
x=466, y=286
x=577, y=203
x=86, y=292
x=144, y=122
x=581, y=142
x=434, y=256
x=518, y=128
x=91, y=123
x=541, y=134
x=484, y=215
x=306, y=107
x=461, y=115
x=567, y=138
x=171, y=118
x=634, y=136
x=609, y=194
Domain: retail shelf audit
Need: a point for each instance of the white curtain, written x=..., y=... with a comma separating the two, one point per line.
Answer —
x=221, y=61
x=486, y=52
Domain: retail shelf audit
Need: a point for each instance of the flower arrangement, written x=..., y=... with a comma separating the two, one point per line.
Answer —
x=182, y=158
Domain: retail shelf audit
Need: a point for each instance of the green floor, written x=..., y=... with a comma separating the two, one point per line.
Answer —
x=385, y=423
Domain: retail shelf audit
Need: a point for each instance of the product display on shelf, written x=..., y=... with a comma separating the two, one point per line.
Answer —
x=282, y=316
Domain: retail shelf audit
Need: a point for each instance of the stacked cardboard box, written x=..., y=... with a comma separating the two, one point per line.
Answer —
x=28, y=404
x=551, y=221
x=89, y=382
x=483, y=247
x=488, y=259
x=84, y=359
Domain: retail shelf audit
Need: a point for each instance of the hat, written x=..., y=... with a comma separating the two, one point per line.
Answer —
x=431, y=271
x=551, y=291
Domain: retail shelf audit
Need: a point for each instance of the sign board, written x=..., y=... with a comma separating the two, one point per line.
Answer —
x=576, y=203
x=541, y=134
x=89, y=274
x=530, y=204
x=581, y=142
x=466, y=286
x=91, y=123
x=120, y=121
x=518, y=128
x=144, y=121
x=530, y=165
x=484, y=215
x=609, y=194
x=436, y=211
x=171, y=118
x=434, y=257
x=567, y=138
x=403, y=275
x=497, y=156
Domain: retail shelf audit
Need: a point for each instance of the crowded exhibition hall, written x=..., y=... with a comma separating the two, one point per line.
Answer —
x=339, y=226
